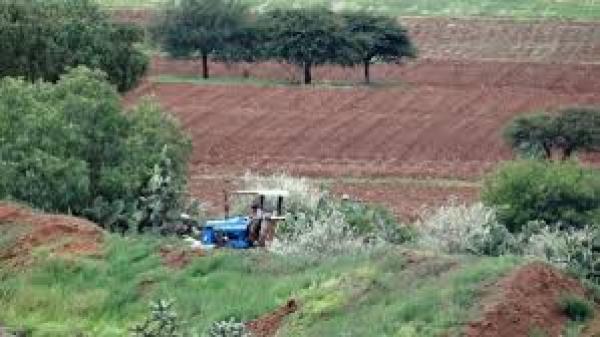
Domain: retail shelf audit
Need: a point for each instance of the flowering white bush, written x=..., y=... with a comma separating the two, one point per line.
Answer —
x=230, y=328
x=324, y=234
x=574, y=249
x=457, y=228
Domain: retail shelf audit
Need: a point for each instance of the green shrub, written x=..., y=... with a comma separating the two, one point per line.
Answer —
x=68, y=147
x=40, y=39
x=555, y=193
x=161, y=322
x=576, y=308
x=375, y=221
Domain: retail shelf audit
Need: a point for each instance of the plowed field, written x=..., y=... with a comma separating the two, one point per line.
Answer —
x=439, y=117
x=488, y=39
x=437, y=124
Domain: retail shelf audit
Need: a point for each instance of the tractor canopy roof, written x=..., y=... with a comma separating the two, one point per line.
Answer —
x=267, y=193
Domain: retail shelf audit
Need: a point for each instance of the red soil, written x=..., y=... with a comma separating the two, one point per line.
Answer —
x=267, y=325
x=63, y=235
x=444, y=131
x=525, y=300
x=407, y=201
x=177, y=257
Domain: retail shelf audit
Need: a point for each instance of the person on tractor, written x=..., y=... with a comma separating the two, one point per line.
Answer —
x=254, y=227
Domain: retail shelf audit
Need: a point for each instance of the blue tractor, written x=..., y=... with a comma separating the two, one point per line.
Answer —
x=242, y=232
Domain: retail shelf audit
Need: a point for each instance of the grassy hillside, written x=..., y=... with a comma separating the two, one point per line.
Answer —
x=105, y=295
x=573, y=9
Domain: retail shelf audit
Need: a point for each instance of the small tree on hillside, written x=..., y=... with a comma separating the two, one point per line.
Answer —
x=305, y=37
x=199, y=28
x=377, y=38
x=568, y=131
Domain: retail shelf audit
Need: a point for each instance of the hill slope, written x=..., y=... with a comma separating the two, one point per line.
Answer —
x=408, y=292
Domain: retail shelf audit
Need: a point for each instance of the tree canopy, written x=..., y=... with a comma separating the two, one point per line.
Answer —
x=201, y=28
x=377, y=38
x=567, y=131
x=64, y=146
x=40, y=39
x=305, y=37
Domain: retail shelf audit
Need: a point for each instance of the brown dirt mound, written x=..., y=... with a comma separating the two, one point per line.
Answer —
x=267, y=325
x=177, y=257
x=523, y=301
x=63, y=235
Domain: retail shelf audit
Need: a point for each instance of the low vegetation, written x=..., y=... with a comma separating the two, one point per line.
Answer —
x=109, y=295
x=576, y=308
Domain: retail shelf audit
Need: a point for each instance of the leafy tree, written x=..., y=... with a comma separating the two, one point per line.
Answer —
x=42, y=38
x=305, y=37
x=568, y=131
x=578, y=128
x=68, y=146
x=558, y=193
x=377, y=38
x=531, y=135
x=201, y=28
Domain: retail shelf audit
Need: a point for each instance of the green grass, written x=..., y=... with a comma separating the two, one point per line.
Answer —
x=219, y=80
x=266, y=83
x=375, y=294
x=571, y=9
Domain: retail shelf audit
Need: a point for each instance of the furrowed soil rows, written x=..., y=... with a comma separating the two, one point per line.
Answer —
x=441, y=116
x=350, y=131
x=485, y=39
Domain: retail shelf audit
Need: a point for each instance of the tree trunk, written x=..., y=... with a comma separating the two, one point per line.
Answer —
x=367, y=72
x=205, y=66
x=307, y=73
x=567, y=152
x=547, y=151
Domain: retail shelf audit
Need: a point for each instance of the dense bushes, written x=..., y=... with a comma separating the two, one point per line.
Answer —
x=68, y=147
x=562, y=194
x=41, y=38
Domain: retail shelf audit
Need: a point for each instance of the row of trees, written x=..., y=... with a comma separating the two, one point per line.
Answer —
x=226, y=30
x=40, y=39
